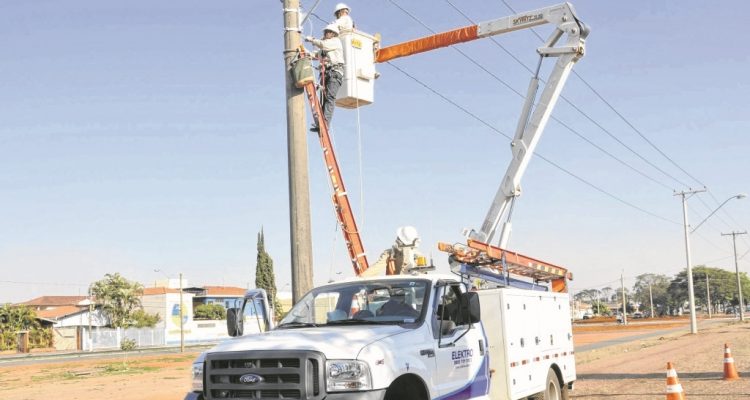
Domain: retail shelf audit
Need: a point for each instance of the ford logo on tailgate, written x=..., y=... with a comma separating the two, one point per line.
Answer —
x=251, y=379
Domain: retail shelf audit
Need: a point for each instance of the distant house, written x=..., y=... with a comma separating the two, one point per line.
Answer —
x=52, y=302
x=165, y=301
x=65, y=311
x=227, y=296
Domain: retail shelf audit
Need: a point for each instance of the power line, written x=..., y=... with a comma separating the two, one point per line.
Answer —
x=622, y=117
x=585, y=115
x=536, y=154
x=554, y=118
x=569, y=102
x=45, y=283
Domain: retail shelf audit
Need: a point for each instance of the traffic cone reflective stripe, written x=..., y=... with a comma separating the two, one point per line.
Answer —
x=674, y=388
x=730, y=371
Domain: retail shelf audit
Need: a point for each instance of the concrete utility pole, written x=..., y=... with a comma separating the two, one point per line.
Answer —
x=737, y=269
x=651, y=298
x=299, y=190
x=624, y=302
x=708, y=296
x=691, y=292
x=182, y=314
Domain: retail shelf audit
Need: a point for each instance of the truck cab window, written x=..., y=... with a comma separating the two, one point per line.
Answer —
x=388, y=302
x=448, y=311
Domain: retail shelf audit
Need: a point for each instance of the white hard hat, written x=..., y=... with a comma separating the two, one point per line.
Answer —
x=339, y=7
x=331, y=27
x=407, y=235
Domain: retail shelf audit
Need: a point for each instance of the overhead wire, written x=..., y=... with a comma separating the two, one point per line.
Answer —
x=536, y=154
x=578, y=109
x=630, y=124
x=476, y=63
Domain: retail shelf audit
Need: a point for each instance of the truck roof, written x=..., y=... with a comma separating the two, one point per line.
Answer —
x=433, y=277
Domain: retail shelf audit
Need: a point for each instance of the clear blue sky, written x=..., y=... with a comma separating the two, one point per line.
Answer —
x=144, y=135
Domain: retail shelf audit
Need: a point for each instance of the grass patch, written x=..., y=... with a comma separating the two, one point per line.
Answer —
x=55, y=376
x=125, y=369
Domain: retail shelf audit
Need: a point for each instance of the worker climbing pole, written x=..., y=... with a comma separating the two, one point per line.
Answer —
x=303, y=73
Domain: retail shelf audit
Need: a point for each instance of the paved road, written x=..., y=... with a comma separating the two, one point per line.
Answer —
x=37, y=358
x=703, y=323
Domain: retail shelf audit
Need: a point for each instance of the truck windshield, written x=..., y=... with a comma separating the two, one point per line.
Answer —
x=371, y=302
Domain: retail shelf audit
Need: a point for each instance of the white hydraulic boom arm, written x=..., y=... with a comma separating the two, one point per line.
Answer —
x=530, y=125
x=530, y=128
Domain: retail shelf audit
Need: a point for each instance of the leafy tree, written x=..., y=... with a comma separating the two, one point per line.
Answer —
x=617, y=298
x=142, y=319
x=20, y=318
x=659, y=285
x=599, y=307
x=588, y=295
x=722, y=285
x=264, y=275
x=607, y=293
x=119, y=298
x=210, y=311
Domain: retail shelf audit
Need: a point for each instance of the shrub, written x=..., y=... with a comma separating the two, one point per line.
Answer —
x=142, y=319
x=128, y=344
x=210, y=311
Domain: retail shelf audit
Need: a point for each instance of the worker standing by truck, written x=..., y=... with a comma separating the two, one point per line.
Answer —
x=331, y=55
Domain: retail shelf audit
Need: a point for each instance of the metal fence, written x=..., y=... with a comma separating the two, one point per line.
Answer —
x=111, y=338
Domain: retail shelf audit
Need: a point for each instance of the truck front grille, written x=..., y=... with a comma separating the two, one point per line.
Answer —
x=264, y=375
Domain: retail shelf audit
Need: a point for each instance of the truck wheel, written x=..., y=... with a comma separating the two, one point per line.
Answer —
x=553, y=390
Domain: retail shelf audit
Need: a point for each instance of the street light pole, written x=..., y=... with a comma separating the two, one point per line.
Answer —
x=737, y=269
x=691, y=293
x=182, y=314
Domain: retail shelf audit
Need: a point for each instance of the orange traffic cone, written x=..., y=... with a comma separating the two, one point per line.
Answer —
x=674, y=389
x=730, y=372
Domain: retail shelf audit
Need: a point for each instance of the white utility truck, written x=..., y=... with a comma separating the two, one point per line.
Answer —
x=499, y=328
x=415, y=337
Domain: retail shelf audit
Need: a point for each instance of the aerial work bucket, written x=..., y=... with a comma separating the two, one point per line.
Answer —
x=302, y=72
x=358, y=86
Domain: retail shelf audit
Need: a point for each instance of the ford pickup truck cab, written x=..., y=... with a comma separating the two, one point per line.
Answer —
x=398, y=337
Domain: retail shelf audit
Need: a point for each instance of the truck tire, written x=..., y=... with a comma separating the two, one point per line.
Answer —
x=553, y=389
x=406, y=387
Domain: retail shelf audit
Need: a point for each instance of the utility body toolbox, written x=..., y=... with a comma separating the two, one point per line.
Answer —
x=528, y=332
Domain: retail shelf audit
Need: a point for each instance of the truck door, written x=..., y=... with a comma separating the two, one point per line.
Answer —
x=462, y=363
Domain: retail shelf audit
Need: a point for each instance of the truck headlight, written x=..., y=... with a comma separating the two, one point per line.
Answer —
x=198, y=376
x=347, y=376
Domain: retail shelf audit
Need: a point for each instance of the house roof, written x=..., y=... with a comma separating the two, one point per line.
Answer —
x=54, y=301
x=228, y=291
x=159, y=290
x=59, y=312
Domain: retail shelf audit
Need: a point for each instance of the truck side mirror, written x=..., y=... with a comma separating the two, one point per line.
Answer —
x=470, y=311
x=235, y=325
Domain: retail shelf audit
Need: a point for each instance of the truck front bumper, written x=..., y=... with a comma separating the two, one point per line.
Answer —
x=372, y=395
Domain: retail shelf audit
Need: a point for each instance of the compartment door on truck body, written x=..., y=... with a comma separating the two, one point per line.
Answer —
x=536, y=329
x=460, y=347
x=521, y=327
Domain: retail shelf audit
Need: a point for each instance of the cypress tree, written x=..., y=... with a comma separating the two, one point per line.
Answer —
x=264, y=276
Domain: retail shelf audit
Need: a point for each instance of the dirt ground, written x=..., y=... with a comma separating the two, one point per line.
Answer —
x=162, y=377
x=634, y=370
x=637, y=370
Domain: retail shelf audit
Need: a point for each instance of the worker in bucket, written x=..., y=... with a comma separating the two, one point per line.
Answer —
x=332, y=55
x=343, y=20
x=404, y=254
